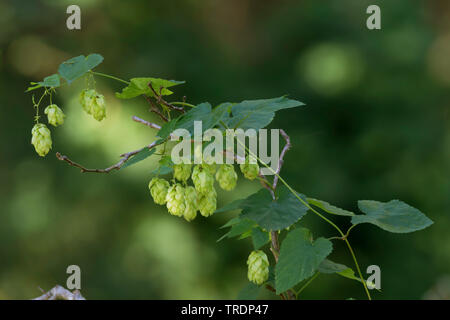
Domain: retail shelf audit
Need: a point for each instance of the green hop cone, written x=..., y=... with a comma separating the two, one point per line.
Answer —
x=207, y=202
x=209, y=165
x=182, y=171
x=191, y=203
x=93, y=103
x=175, y=200
x=203, y=180
x=249, y=170
x=227, y=177
x=41, y=139
x=258, y=267
x=158, y=190
x=55, y=115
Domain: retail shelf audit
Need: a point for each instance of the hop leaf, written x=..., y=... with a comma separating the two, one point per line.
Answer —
x=41, y=139
x=158, y=190
x=55, y=115
x=203, y=180
x=93, y=103
x=207, y=203
x=191, y=203
x=249, y=170
x=182, y=172
x=258, y=267
x=227, y=177
x=175, y=200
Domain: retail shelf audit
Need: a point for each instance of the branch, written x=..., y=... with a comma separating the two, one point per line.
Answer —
x=154, y=108
x=125, y=157
x=287, y=146
x=147, y=123
x=60, y=293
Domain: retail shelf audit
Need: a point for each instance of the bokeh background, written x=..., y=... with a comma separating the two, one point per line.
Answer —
x=376, y=126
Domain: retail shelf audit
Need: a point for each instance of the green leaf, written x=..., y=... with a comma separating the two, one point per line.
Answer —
x=393, y=216
x=299, y=258
x=249, y=292
x=259, y=238
x=78, y=66
x=234, y=205
x=273, y=215
x=142, y=155
x=240, y=227
x=257, y=114
x=140, y=86
x=325, y=206
x=52, y=81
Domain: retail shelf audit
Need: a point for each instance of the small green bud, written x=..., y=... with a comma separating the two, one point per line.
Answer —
x=158, y=190
x=41, y=139
x=55, y=115
x=249, y=170
x=93, y=103
x=203, y=180
x=258, y=267
x=182, y=172
x=207, y=203
x=191, y=203
x=227, y=177
x=175, y=200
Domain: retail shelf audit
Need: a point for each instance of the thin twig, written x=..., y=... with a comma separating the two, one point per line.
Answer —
x=154, y=109
x=287, y=146
x=161, y=100
x=124, y=158
x=60, y=293
x=147, y=123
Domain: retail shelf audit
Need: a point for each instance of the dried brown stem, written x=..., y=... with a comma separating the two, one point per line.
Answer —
x=147, y=123
x=124, y=158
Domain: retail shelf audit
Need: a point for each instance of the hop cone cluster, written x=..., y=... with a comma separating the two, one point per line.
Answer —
x=55, y=115
x=249, y=170
x=93, y=103
x=158, y=190
x=227, y=177
x=191, y=203
x=41, y=139
x=182, y=172
x=203, y=179
x=258, y=267
x=175, y=199
x=207, y=204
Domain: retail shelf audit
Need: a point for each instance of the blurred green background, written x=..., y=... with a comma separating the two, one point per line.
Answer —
x=376, y=126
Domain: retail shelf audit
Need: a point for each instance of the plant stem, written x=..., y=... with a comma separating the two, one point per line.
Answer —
x=109, y=76
x=306, y=284
x=182, y=104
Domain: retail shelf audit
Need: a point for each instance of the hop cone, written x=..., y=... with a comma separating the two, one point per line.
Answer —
x=249, y=170
x=207, y=203
x=158, y=189
x=209, y=165
x=258, y=267
x=227, y=177
x=93, y=103
x=203, y=180
x=182, y=171
x=175, y=200
x=191, y=203
x=41, y=139
x=55, y=115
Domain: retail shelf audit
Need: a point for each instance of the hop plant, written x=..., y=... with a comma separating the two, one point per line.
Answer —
x=258, y=267
x=182, y=172
x=175, y=199
x=55, y=115
x=158, y=190
x=41, y=139
x=202, y=178
x=207, y=203
x=93, y=103
x=249, y=170
x=191, y=203
x=227, y=177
